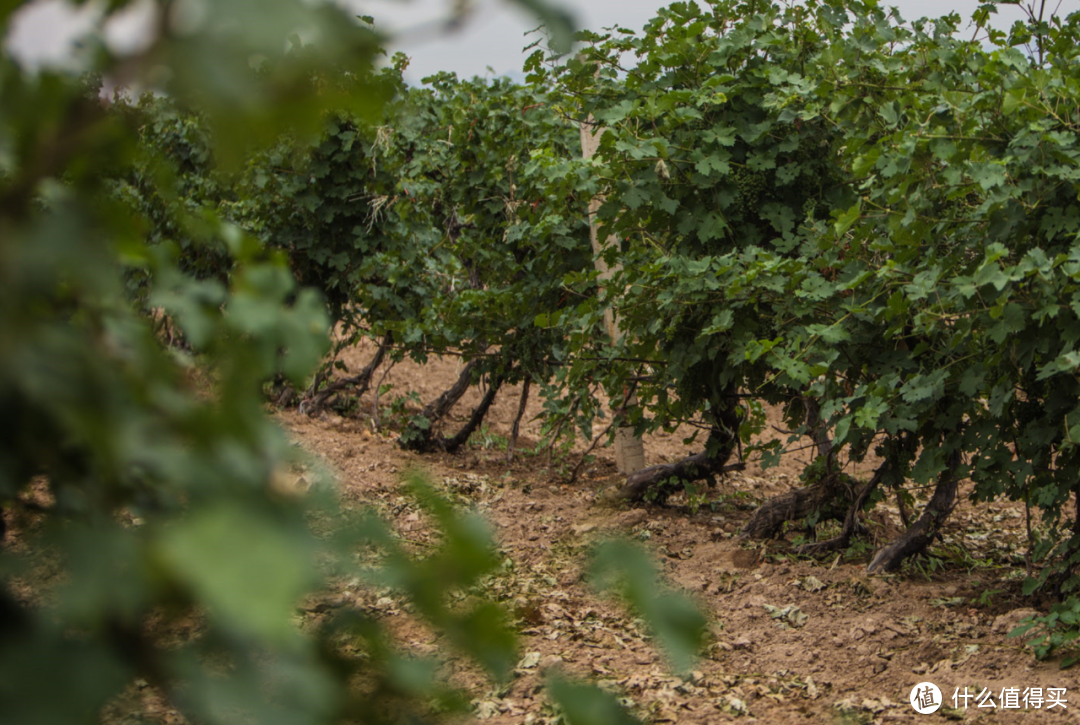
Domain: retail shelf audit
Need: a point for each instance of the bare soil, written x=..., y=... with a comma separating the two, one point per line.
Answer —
x=851, y=653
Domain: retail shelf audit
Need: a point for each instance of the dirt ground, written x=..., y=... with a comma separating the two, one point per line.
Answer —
x=850, y=653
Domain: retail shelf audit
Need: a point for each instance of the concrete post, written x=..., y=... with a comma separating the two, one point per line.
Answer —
x=629, y=449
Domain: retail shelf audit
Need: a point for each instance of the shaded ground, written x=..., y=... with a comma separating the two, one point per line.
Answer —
x=850, y=653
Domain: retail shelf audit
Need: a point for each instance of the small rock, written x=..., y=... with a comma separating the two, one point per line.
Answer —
x=1011, y=620
x=735, y=705
x=632, y=518
x=860, y=631
x=550, y=662
x=872, y=705
x=754, y=602
x=486, y=710
x=529, y=661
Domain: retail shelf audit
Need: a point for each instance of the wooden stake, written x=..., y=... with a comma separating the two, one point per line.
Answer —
x=629, y=449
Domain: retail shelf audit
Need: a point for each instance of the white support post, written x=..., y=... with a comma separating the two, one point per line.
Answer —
x=629, y=449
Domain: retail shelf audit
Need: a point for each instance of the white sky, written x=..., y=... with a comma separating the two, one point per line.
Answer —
x=493, y=36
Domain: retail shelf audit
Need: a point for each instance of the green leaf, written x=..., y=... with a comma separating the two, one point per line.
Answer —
x=864, y=163
x=485, y=633
x=988, y=175
x=1012, y=101
x=249, y=572
x=721, y=322
x=622, y=567
x=846, y=219
x=557, y=20
x=891, y=113
x=842, y=427
x=583, y=704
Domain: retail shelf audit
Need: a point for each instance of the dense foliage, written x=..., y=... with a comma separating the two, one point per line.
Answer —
x=157, y=539
x=869, y=221
x=872, y=220
x=422, y=227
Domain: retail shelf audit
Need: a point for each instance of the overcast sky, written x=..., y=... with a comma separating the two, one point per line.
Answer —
x=492, y=37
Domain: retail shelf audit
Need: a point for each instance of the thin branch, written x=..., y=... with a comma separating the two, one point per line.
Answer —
x=585, y=455
x=512, y=443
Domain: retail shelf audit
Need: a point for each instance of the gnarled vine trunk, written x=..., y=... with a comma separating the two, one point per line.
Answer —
x=426, y=440
x=452, y=444
x=928, y=526
x=511, y=445
x=361, y=381
x=664, y=478
x=829, y=495
x=416, y=438
x=852, y=525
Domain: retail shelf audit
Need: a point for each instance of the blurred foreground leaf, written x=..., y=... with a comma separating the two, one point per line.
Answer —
x=623, y=568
